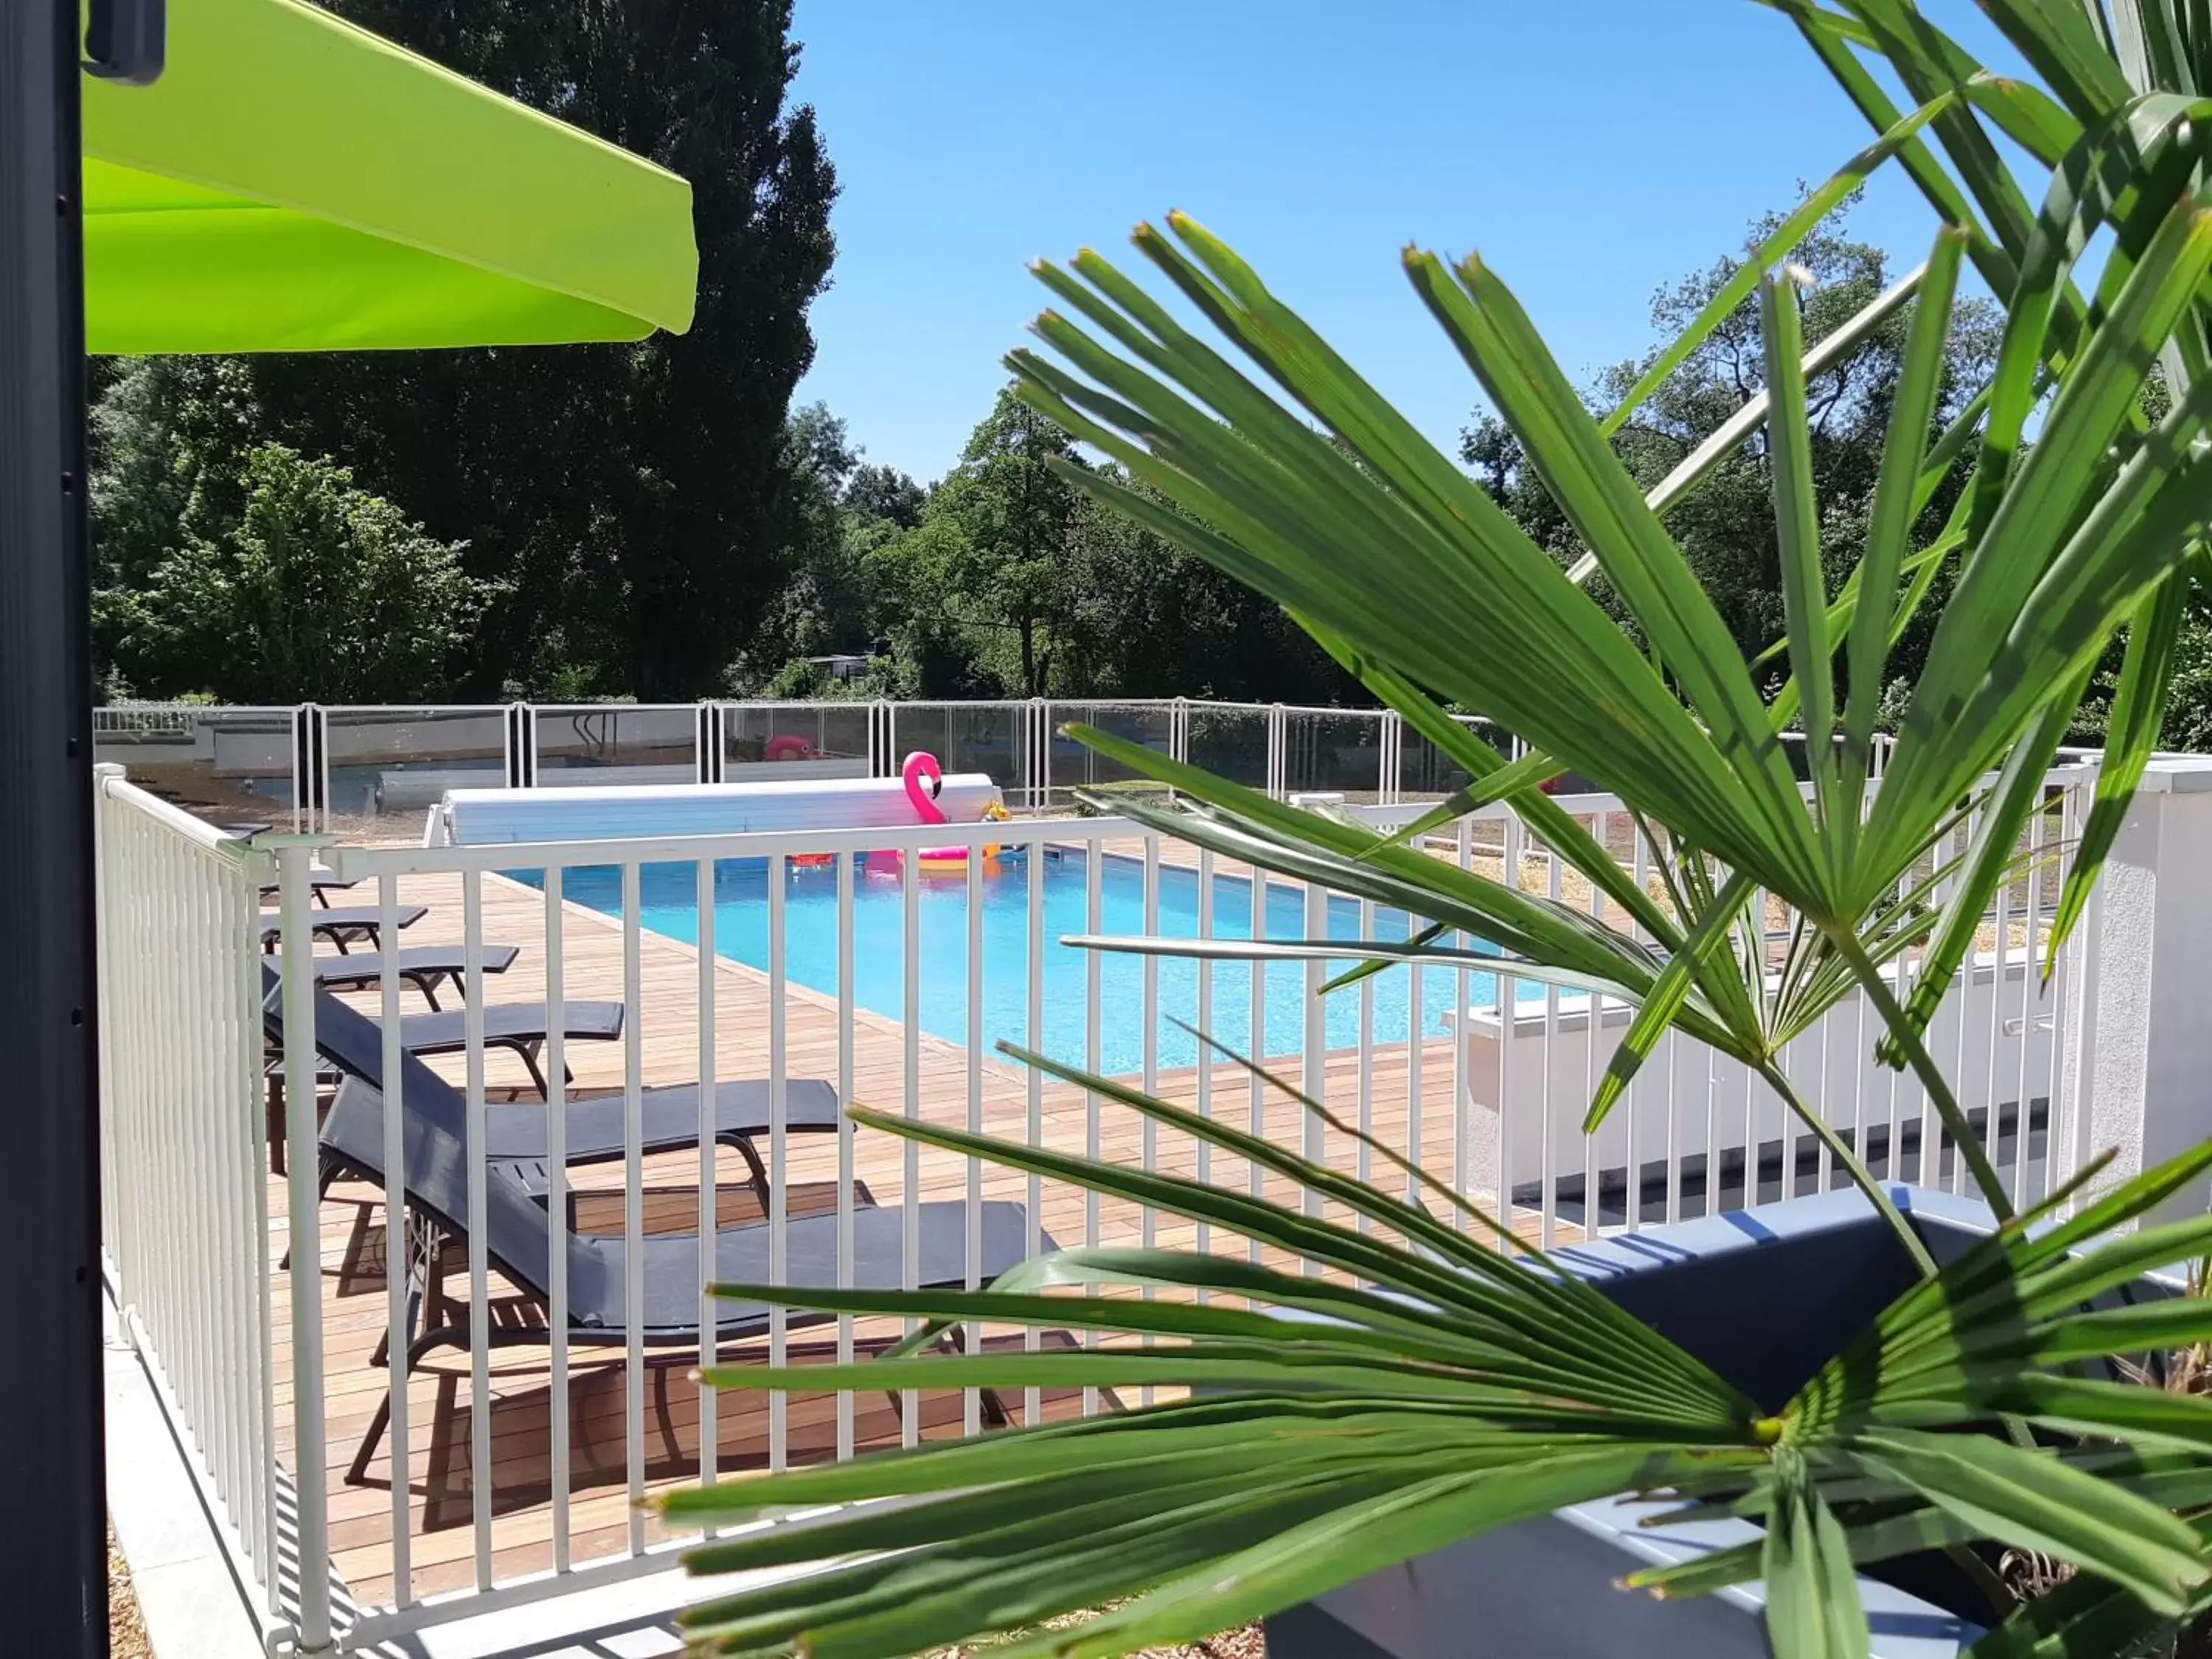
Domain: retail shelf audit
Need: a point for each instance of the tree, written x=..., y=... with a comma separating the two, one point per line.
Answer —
x=633, y=501
x=169, y=440
x=1725, y=526
x=884, y=493
x=1012, y=510
x=1146, y=619
x=318, y=590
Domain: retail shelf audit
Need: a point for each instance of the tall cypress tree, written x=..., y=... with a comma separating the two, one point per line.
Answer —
x=631, y=500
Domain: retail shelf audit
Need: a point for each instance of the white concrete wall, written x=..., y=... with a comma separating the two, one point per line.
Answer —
x=2143, y=1063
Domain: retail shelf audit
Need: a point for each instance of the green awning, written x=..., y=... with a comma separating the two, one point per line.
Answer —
x=293, y=183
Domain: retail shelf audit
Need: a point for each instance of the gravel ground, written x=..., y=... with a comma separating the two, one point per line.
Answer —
x=1245, y=1644
x=126, y=1631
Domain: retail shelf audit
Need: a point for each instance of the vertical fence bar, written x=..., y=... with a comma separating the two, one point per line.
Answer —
x=302, y=758
x=779, y=1147
x=1314, y=1047
x=1463, y=1069
x=294, y=857
x=1416, y=1051
x=1257, y=1099
x=910, y=1252
x=2069, y=1016
x=194, y=1167
x=556, y=1206
x=1148, y=1153
x=399, y=1226
x=246, y=942
x=1962, y=988
x=1094, y=862
x=708, y=1123
x=1204, y=1083
x=1033, y=1243
x=971, y=1400
x=1365, y=1158
x=2023, y=1113
x=1506, y=990
x=633, y=1201
x=318, y=727
x=480, y=1476
x=1554, y=889
x=1044, y=754
x=845, y=1171
x=1993, y=1100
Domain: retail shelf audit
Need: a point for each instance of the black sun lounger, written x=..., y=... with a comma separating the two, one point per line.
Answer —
x=343, y=925
x=517, y=1135
x=520, y=1239
x=426, y=967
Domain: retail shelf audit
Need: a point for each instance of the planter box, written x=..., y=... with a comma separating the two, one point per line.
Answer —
x=1766, y=1296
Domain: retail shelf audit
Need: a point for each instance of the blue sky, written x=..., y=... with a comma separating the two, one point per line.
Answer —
x=1592, y=150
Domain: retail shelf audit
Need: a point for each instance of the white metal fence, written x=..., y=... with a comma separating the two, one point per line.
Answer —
x=184, y=1219
x=519, y=1333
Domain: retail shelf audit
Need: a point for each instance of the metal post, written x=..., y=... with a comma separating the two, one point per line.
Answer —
x=50, y=1425
x=295, y=858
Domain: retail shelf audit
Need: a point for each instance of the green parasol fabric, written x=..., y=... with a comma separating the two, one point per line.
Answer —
x=293, y=183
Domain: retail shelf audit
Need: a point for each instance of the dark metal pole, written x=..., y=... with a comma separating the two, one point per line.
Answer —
x=52, y=1471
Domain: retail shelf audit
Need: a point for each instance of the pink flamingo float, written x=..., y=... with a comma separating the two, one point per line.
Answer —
x=924, y=779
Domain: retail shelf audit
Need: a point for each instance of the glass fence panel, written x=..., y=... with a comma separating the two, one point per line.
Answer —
x=1335, y=750
x=797, y=739
x=388, y=767
x=616, y=742
x=1230, y=741
x=229, y=766
x=1075, y=766
x=990, y=737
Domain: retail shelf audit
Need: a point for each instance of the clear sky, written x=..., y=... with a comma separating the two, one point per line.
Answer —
x=1591, y=149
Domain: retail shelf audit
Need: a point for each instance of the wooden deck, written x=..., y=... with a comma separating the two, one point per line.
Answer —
x=440, y=1513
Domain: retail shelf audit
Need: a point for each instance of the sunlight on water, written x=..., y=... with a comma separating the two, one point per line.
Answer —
x=741, y=933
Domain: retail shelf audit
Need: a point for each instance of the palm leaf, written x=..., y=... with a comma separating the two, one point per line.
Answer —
x=2131, y=737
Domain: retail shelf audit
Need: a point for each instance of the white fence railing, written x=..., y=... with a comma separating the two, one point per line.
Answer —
x=183, y=1217
x=480, y=1394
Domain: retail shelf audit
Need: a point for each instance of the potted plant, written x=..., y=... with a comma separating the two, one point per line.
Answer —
x=1441, y=1380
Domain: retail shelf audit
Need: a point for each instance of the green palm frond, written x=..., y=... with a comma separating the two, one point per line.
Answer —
x=1433, y=1377
x=1432, y=1387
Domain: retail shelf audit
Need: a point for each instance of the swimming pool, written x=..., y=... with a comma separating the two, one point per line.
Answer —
x=667, y=898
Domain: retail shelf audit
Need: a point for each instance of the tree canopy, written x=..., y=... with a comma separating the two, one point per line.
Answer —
x=654, y=521
x=1725, y=525
x=626, y=508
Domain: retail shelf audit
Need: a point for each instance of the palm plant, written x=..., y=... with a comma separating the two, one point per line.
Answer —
x=1419, y=1391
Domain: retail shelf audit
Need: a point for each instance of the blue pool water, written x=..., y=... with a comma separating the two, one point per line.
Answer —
x=668, y=895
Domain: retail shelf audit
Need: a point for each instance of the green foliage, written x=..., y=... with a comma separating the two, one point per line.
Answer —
x=1725, y=526
x=999, y=579
x=1002, y=564
x=1448, y=1389
x=632, y=502
x=1427, y=1391
x=317, y=590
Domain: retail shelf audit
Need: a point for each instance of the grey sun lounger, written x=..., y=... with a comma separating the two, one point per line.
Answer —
x=426, y=967
x=519, y=1136
x=321, y=885
x=522, y=1029
x=358, y=922
x=520, y=1239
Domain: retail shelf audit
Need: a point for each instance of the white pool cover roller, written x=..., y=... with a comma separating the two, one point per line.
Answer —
x=477, y=817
